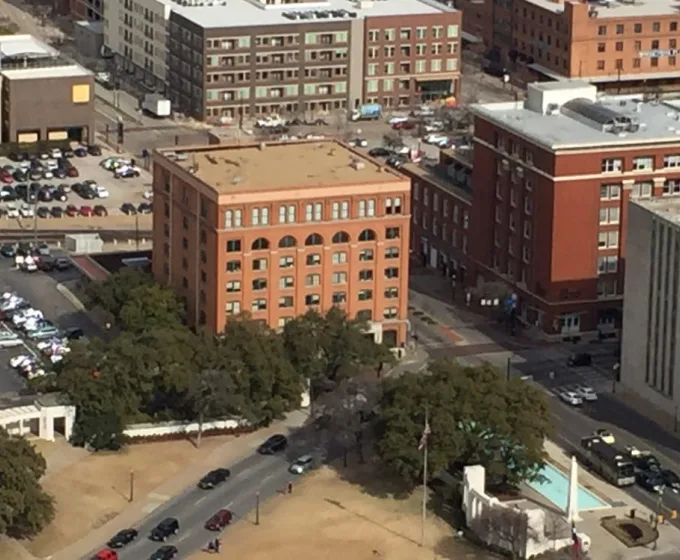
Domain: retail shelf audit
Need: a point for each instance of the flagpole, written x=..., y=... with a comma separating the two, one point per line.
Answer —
x=422, y=525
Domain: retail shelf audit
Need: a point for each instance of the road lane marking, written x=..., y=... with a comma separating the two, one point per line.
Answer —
x=200, y=500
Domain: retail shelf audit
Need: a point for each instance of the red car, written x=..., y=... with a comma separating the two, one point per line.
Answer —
x=72, y=172
x=86, y=211
x=219, y=521
x=404, y=125
x=71, y=210
x=6, y=177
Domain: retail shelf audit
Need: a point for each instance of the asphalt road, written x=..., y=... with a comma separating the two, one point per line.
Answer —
x=193, y=507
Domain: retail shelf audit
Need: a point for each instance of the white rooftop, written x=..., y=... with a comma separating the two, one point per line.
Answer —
x=666, y=208
x=17, y=45
x=27, y=47
x=617, y=8
x=237, y=13
x=72, y=70
x=572, y=114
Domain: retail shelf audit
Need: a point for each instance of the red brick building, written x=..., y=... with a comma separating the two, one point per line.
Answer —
x=551, y=181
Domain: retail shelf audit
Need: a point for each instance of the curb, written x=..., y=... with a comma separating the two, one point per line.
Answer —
x=69, y=295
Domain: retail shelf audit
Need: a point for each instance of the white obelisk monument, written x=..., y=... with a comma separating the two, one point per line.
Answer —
x=572, y=498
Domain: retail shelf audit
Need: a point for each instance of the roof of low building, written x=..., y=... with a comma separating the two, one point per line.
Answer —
x=666, y=208
x=617, y=8
x=277, y=166
x=242, y=13
x=25, y=57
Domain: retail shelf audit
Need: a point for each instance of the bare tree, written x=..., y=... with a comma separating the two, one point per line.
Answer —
x=505, y=528
x=556, y=527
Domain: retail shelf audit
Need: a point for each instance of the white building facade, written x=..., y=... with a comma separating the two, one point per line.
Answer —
x=136, y=32
x=650, y=344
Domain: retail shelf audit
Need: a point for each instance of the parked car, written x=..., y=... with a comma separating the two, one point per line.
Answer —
x=44, y=212
x=57, y=211
x=8, y=250
x=80, y=151
x=62, y=263
x=12, y=211
x=606, y=436
x=671, y=480
x=100, y=210
x=164, y=553
x=86, y=211
x=380, y=152
x=101, y=192
x=145, y=208
x=213, y=478
x=652, y=481
x=219, y=521
x=403, y=125
x=73, y=333
x=94, y=150
x=586, y=393
x=126, y=171
x=645, y=461
x=43, y=332
x=72, y=171
x=10, y=339
x=273, y=444
x=26, y=211
x=106, y=554
x=169, y=526
x=302, y=464
x=581, y=359
x=71, y=210
x=572, y=398
x=122, y=538
x=358, y=143
x=128, y=208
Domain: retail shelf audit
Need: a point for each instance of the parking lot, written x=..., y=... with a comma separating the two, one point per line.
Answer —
x=40, y=289
x=58, y=199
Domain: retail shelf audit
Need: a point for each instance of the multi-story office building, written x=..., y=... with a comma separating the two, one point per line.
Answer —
x=551, y=181
x=136, y=31
x=274, y=230
x=618, y=45
x=88, y=10
x=650, y=346
x=260, y=56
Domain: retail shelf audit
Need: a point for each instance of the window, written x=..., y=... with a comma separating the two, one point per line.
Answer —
x=259, y=284
x=672, y=160
x=392, y=253
x=313, y=280
x=609, y=215
x=391, y=272
x=233, y=266
x=643, y=163
x=528, y=205
x=286, y=282
x=365, y=295
x=339, y=278
x=233, y=286
x=366, y=255
x=392, y=233
x=341, y=237
x=602, y=30
x=364, y=315
x=527, y=230
x=393, y=206
x=313, y=259
x=286, y=262
x=601, y=47
x=283, y=321
x=260, y=244
x=339, y=297
x=612, y=165
x=287, y=242
x=365, y=275
x=258, y=305
x=233, y=245
x=233, y=219
x=286, y=302
x=259, y=264
x=466, y=219
x=642, y=190
x=367, y=235
x=391, y=293
x=610, y=192
x=340, y=257
x=608, y=264
x=671, y=186
x=259, y=217
x=608, y=239
x=390, y=313
x=314, y=212
x=314, y=239
x=340, y=210
x=366, y=208
x=287, y=214
x=312, y=299
x=233, y=307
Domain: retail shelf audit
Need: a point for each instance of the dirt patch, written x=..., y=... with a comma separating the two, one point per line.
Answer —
x=95, y=489
x=327, y=517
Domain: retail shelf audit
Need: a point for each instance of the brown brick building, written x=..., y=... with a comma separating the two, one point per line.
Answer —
x=620, y=46
x=44, y=97
x=263, y=57
x=551, y=182
x=276, y=229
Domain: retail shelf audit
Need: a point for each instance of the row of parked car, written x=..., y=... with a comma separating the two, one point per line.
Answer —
x=80, y=151
x=120, y=167
x=650, y=474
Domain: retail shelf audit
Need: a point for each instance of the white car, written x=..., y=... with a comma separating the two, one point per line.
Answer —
x=101, y=192
x=358, y=143
x=47, y=174
x=26, y=314
x=148, y=194
x=605, y=435
x=9, y=339
x=395, y=120
x=12, y=211
x=572, y=398
x=586, y=393
x=45, y=344
x=302, y=464
x=436, y=138
x=17, y=361
x=435, y=126
x=26, y=211
x=56, y=153
x=52, y=164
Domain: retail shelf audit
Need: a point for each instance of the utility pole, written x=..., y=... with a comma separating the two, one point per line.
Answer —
x=257, y=508
x=132, y=485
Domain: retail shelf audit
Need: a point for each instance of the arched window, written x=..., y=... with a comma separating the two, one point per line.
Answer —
x=287, y=242
x=367, y=235
x=260, y=243
x=341, y=237
x=314, y=239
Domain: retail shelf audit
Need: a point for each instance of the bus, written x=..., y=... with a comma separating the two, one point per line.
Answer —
x=610, y=463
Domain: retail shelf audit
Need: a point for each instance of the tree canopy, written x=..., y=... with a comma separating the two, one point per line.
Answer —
x=475, y=415
x=24, y=507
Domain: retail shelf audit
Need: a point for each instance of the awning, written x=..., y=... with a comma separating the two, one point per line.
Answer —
x=547, y=72
x=632, y=77
x=469, y=37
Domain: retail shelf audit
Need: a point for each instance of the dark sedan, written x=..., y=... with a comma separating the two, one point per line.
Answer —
x=213, y=479
x=43, y=212
x=580, y=360
x=651, y=481
x=167, y=552
x=57, y=211
x=122, y=538
x=219, y=521
x=94, y=150
x=274, y=444
x=129, y=209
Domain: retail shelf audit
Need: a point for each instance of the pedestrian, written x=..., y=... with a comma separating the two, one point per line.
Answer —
x=551, y=375
x=468, y=298
x=290, y=487
x=218, y=544
x=108, y=326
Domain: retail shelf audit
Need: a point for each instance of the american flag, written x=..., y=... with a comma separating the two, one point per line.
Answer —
x=423, y=438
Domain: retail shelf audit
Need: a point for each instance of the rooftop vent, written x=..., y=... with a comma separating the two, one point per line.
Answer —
x=357, y=164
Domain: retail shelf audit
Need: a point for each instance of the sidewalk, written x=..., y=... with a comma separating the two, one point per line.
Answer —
x=171, y=490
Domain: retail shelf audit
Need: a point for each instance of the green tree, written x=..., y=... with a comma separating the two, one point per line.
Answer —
x=476, y=416
x=327, y=349
x=150, y=306
x=25, y=509
x=114, y=292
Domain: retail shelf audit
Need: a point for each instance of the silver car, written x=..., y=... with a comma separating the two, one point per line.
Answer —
x=302, y=464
